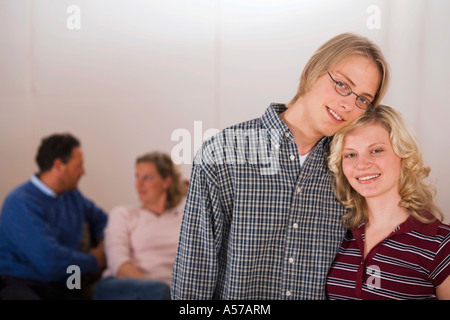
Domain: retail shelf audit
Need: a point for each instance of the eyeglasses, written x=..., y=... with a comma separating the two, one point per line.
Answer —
x=344, y=90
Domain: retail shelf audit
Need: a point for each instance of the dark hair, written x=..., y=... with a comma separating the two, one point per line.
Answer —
x=166, y=168
x=56, y=146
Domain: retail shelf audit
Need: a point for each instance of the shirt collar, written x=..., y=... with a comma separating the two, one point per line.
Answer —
x=42, y=186
x=271, y=120
x=410, y=224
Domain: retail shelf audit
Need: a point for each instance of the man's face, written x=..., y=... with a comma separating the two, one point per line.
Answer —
x=72, y=170
x=328, y=111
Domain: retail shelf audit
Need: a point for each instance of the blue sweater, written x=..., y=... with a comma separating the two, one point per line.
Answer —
x=40, y=235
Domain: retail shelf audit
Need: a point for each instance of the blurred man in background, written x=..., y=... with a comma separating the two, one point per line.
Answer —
x=41, y=228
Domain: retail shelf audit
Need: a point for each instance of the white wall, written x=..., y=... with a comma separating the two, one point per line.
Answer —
x=138, y=71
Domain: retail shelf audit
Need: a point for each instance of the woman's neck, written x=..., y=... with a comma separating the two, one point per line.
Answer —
x=385, y=212
x=157, y=206
x=385, y=215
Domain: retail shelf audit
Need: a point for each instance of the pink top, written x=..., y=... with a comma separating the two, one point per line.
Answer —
x=145, y=239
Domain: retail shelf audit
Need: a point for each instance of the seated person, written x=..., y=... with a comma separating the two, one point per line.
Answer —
x=141, y=241
x=41, y=228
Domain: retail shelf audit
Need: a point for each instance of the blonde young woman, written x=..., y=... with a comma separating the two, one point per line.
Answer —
x=396, y=247
x=141, y=241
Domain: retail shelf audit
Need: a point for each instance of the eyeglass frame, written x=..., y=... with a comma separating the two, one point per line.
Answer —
x=370, y=105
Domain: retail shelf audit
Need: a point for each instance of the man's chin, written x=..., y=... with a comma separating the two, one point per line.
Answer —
x=72, y=188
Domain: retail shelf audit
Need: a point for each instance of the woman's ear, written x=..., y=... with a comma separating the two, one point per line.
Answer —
x=167, y=182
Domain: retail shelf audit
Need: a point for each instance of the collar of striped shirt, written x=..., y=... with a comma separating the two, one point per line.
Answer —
x=410, y=224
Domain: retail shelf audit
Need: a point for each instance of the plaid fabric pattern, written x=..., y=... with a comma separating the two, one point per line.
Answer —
x=256, y=225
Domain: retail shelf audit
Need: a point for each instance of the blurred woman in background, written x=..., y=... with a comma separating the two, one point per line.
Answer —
x=141, y=241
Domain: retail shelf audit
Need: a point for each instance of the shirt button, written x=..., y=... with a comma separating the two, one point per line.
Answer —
x=298, y=189
x=295, y=225
x=288, y=293
x=286, y=134
x=291, y=260
x=292, y=157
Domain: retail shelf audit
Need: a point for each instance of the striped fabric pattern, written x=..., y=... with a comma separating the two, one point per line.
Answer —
x=408, y=265
x=256, y=225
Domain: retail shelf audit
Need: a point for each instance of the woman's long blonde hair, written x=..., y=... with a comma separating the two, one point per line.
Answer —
x=417, y=195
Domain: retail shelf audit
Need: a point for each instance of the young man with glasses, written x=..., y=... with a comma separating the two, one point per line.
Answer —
x=256, y=229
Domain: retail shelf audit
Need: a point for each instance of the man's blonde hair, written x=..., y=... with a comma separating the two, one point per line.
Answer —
x=333, y=52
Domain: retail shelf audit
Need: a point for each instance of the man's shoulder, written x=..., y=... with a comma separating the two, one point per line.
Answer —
x=255, y=123
x=216, y=147
x=25, y=195
x=76, y=194
x=24, y=191
x=269, y=120
x=247, y=125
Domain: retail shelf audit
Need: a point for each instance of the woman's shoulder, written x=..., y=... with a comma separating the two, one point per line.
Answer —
x=124, y=210
x=443, y=230
x=179, y=208
x=437, y=233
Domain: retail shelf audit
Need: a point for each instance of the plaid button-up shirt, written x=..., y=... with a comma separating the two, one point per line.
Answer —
x=256, y=225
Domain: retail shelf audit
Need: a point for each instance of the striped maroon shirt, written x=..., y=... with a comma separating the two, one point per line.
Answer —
x=409, y=264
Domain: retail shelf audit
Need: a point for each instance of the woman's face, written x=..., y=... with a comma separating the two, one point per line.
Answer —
x=370, y=163
x=150, y=186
